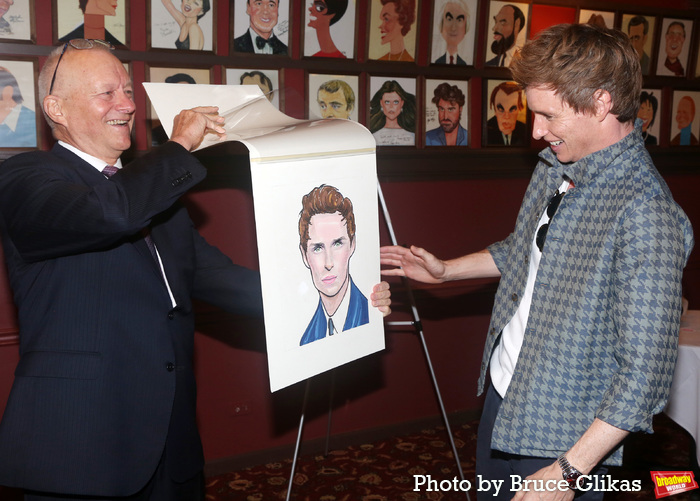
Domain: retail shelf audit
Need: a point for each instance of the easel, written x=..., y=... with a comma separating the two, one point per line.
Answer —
x=416, y=323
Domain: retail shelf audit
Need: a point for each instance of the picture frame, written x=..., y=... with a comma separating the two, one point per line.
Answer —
x=546, y=16
x=393, y=110
x=17, y=23
x=453, y=34
x=651, y=104
x=247, y=19
x=506, y=119
x=330, y=28
x=512, y=19
x=168, y=23
x=387, y=38
x=675, y=37
x=446, y=113
x=685, y=119
x=69, y=23
x=170, y=74
x=603, y=18
x=641, y=30
x=269, y=81
x=333, y=96
x=19, y=125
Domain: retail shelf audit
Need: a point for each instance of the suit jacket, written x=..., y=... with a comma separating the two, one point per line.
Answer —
x=519, y=136
x=358, y=314
x=244, y=43
x=105, y=372
x=443, y=60
x=79, y=32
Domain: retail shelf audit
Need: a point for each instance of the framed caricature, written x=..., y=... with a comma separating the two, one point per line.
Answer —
x=649, y=111
x=507, y=31
x=674, y=47
x=506, y=115
x=453, y=32
x=446, y=112
x=17, y=21
x=333, y=96
x=330, y=28
x=172, y=75
x=261, y=27
x=393, y=111
x=267, y=80
x=641, y=30
x=18, y=123
x=182, y=25
x=105, y=21
x=685, y=123
x=392, y=30
x=601, y=18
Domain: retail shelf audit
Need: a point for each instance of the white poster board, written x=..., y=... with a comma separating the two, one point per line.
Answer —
x=289, y=158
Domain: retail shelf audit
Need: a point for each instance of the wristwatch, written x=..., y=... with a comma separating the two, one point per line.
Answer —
x=570, y=474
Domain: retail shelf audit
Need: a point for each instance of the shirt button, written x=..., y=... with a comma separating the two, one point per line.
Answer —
x=170, y=366
x=171, y=315
x=514, y=297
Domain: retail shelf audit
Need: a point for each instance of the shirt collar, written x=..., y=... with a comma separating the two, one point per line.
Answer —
x=342, y=312
x=13, y=117
x=94, y=161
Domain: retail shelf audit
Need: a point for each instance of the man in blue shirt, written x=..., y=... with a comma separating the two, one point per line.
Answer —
x=449, y=100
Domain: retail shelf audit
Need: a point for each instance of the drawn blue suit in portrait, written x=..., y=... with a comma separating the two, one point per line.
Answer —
x=358, y=314
x=436, y=137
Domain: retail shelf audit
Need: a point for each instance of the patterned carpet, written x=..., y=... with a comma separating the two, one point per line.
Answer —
x=384, y=470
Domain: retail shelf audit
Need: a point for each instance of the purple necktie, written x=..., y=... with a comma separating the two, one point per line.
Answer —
x=111, y=170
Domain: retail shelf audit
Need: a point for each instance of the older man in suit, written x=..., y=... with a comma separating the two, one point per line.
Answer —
x=104, y=262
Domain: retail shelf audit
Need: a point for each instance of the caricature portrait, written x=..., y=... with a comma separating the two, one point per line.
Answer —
x=258, y=28
x=95, y=19
x=15, y=20
x=330, y=27
x=449, y=102
x=673, y=49
x=684, y=127
x=17, y=108
x=392, y=30
x=507, y=105
x=640, y=29
x=333, y=96
x=190, y=35
x=453, y=33
x=392, y=112
x=327, y=242
x=648, y=109
x=507, y=31
x=267, y=80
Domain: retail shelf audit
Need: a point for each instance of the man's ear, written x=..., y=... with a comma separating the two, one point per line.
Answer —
x=53, y=107
x=303, y=256
x=602, y=100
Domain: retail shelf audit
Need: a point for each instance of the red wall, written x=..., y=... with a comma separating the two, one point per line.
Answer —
x=450, y=214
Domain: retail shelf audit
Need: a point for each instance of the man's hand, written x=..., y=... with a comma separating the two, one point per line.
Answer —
x=190, y=126
x=415, y=263
x=551, y=490
x=381, y=298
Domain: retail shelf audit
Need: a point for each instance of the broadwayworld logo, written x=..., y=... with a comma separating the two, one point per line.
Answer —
x=668, y=483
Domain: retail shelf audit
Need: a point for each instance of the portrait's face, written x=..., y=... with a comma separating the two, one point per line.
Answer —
x=263, y=16
x=638, y=38
x=506, y=109
x=567, y=132
x=454, y=24
x=504, y=24
x=675, y=36
x=646, y=113
x=191, y=8
x=319, y=15
x=255, y=80
x=328, y=253
x=449, y=114
x=392, y=105
x=390, y=27
x=5, y=6
x=102, y=7
x=684, y=113
x=333, y=104
x=96, y=102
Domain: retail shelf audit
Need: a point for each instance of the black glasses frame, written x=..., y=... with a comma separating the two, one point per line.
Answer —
x=80, y=44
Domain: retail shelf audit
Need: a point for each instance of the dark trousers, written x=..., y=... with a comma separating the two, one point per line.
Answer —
x=496, y=465
x=161, y=487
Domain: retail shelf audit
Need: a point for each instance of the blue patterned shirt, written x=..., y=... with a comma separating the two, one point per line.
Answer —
x=602, y=335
